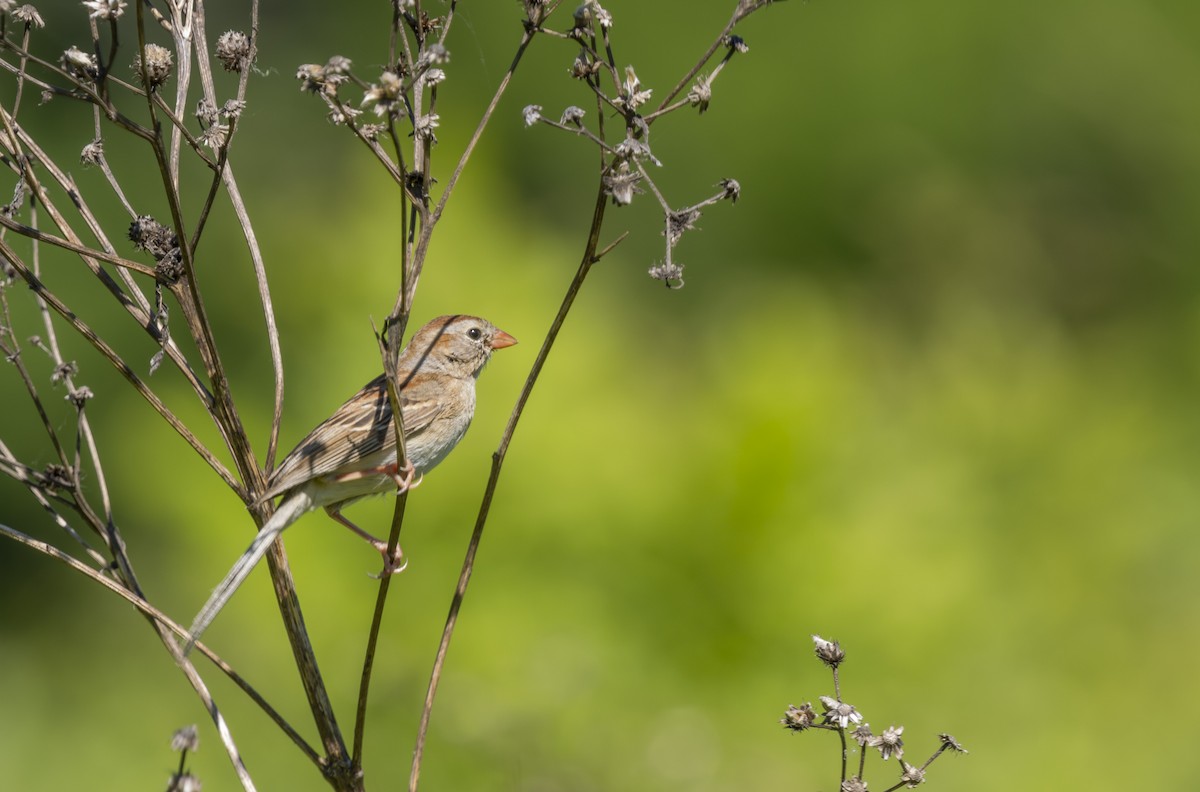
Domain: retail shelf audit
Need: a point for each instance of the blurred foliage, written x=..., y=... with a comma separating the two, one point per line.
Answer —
x=930, y=390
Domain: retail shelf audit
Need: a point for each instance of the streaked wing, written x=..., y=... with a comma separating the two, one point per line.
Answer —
x=359, y=429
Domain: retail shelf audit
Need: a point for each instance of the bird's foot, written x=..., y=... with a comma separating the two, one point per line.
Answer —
x=392, y=562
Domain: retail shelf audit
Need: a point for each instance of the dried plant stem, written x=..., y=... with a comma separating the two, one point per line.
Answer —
x=585, y=265
x=163, y=621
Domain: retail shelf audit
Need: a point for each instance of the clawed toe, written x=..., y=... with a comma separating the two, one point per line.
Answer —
x=404, y=477
x=392, y=563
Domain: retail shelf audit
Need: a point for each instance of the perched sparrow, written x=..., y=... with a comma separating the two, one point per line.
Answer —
x=353, y=453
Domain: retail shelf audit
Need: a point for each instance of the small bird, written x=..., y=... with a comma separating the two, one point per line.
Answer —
x=352, y=454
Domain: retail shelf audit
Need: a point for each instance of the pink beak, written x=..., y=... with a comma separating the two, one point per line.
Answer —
x=502, y=339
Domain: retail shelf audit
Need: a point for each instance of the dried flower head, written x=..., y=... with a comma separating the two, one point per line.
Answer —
x=423, y=127
x=386, y=95
x=584, y=66
x=680, y=222
x=80, y=396
x=732, y=189
x=149, y=235
x=340, y=114
x=79, y=64
x=157, y=62
x=669, y=272
x=105, y=9
x=862, y=735
x=186, y=739
x=829, y=652
x=57, y=477
x=572, y=115
x=589, y=12
x=206, y=112
x=372, y=131
x=64, y=371
x=737, y=44
x=889, y=742
x=233, y=50
x=531, y=114
x=183, y=782
x=433, y=77
x=621, y=184
x=854, y=784
x=951, y=743
x=29, y=15
x=92, y=153
x=799, y=718
x=232, y=108
x=632, y=94
x=839, y=712
x=434, y=55
x=912, y=776
x=700, y=93
x=324, y=79
x=215, y=136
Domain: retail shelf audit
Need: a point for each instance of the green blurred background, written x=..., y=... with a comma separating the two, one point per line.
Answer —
x=930, y=390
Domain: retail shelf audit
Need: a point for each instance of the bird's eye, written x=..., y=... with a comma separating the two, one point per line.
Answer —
x=474, y=334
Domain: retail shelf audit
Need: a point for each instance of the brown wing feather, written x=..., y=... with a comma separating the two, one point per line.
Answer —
x=359, y=428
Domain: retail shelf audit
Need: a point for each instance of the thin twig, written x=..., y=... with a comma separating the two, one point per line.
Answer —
x=585, y=265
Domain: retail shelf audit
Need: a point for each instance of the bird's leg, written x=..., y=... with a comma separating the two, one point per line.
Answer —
x=402, y=476
x=392, y=562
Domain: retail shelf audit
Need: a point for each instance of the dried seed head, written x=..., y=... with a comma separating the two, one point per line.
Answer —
x=215, y=136
x=149, y=235
x=632, y=95
x=29, y=15
x=206, y=112
x=105, y=9
x=93, y=153
x=680, y=222
x=232, y=108
x=732, y=189
x=531, y=114
x=233, y=50
x=183, y=782
x=64, y=371
x=341, y=114
x=589, y=12
x=737, y=44
x=951, y=743
x=669, y=272
x=854, y=784
x=584, y=66
x=621, y=184
x=913, y=776
x=76, y=62
x=79, y=397
x=186, y=739
x=338, y=64
x=57, y=477
x=829, y=652
x=799, y=718
x=386, y=95
x=158, y=63
x=889, y=742
x=423, y=127
x=433, y=77
x=434, y=55
x=572, y=115
x=839, y=712
x=862, y=735
x=701, y=94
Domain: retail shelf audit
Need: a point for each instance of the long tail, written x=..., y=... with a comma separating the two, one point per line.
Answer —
x=292, y=508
